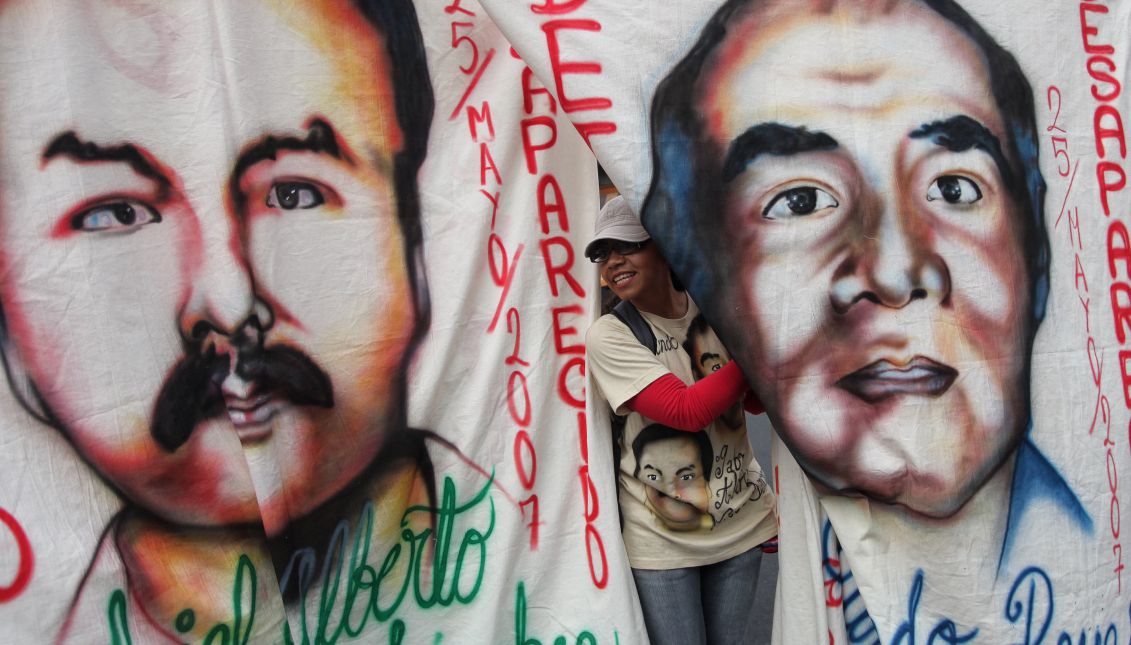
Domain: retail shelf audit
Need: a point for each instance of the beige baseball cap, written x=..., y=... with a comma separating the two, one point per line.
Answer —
x=617, y=222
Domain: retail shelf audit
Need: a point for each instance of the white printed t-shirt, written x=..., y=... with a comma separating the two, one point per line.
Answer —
x=688, y=498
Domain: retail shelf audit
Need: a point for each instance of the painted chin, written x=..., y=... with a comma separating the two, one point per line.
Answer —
x=937, y=493
x=926, y=494
x=205, y=483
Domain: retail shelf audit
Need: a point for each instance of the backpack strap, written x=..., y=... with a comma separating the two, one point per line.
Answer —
x=630, y=316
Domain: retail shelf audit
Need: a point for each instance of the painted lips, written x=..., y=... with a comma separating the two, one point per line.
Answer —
x=246, y=414
x=250, y=407
x=883, y=379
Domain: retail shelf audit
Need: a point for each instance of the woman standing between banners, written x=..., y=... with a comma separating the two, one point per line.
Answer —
x=694, y=502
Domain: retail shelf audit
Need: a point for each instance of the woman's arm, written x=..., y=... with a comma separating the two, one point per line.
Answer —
x=671, y=402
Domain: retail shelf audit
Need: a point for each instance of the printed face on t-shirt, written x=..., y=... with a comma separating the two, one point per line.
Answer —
x=705, y=362
x=677, y=481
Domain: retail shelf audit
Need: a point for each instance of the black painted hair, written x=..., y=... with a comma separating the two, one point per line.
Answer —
x=396, y=21
x=659, y=432
x=685, y=195
x=697, y=328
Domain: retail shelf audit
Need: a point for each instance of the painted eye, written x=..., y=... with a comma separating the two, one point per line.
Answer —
x=798, y=202
x=652, y=477
x=289, y=195
x=686, y=477
x=954, y=190
x=123, y=216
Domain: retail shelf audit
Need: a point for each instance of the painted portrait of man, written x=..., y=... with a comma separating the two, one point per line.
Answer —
x=212, y=281
x=865, y=176
x=704, y=362
x=675, y=467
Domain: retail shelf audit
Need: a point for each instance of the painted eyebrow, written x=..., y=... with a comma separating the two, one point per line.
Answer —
x=69, y=146
x=961, y=133
x=320, y=139
x=708, y=356
x=771, y=139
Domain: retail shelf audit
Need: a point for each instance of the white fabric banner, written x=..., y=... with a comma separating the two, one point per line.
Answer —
x=908, y=222
x=293, y=320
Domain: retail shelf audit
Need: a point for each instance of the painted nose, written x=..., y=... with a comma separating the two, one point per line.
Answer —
x=669, y=489
x=892, y=263
x=221, y=305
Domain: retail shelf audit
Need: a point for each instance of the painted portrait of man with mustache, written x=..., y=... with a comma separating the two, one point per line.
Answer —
x=212, y=279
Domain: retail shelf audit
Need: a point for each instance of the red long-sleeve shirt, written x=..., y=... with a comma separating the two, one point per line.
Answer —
x=670, y=401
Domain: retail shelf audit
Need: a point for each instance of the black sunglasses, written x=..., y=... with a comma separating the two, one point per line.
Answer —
x=601, y=251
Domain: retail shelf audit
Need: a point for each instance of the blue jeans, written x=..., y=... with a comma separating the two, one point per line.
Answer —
x=709, y=605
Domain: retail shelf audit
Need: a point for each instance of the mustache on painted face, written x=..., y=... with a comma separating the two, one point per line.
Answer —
x=192, y=392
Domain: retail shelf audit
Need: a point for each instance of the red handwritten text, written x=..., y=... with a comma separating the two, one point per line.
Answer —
x=1096, y=30
x=557, y=29
x=25, y=559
